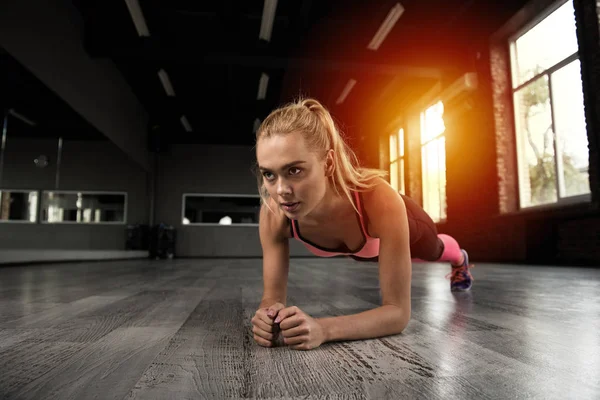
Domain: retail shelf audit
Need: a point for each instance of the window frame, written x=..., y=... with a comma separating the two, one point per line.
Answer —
x=513, y=67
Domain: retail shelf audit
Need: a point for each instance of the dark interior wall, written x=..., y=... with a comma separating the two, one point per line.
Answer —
x=476, y=165
x=209, y=169
x=46, y=37
x=86, y=166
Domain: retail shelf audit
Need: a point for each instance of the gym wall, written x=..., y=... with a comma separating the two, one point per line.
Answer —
x=85, y=166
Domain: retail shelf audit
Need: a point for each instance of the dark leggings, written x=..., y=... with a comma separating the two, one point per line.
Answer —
x=424, y=241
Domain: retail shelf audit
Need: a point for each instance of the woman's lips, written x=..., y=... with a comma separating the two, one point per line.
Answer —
x=290, y=207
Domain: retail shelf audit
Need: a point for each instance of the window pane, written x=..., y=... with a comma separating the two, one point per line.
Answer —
x=17, y=205
x=393, y=147
x=432, y=122
x=546, y=44
x=434, y=179
x=441, y=151
x=569, y=119
x=222, y=209
x=401, y=142
x=401, y=188
x=535, y=144
x=394, y=175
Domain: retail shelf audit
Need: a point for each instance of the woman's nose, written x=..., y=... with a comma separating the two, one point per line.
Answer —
x=283, y=188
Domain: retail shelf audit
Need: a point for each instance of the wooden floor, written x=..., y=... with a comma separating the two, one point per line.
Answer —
x=180, y=329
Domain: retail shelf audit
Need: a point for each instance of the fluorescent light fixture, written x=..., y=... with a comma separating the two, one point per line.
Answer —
x=346, y=90
x=266, y=25
x=186, y=123
x=21, y=117
x=138, y=17
x=256, y=125
x=387, y=25
x=262, y=87
x=166, y=82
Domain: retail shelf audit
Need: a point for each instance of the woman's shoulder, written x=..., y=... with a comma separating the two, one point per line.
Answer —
x=379, y=196
x=375, y=188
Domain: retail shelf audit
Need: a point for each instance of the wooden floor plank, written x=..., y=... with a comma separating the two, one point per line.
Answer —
x=150, y=329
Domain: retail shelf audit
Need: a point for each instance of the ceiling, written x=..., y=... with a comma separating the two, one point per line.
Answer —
x=34, y=110
x=214, y=59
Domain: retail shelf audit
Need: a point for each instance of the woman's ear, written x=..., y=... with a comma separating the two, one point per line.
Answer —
x=329, y=163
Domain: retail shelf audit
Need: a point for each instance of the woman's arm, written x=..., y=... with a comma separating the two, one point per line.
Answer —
x=275, y=274
x=387, y=214
x=275, y=249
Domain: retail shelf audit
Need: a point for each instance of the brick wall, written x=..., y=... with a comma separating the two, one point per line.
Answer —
x=504, y=127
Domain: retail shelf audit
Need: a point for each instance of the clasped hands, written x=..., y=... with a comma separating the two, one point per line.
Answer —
x=299, y=330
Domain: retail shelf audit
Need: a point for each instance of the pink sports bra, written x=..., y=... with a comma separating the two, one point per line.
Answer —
x=369, y=249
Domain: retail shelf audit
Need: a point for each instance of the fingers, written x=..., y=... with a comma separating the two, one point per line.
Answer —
x=296, y=340
x=263, y=334
x=270, y=328
x=261, y=315
x=264, y=329
x=302, y=346
x=296, y=331
x=286, y=313
x=274, y=309
x=262, y=341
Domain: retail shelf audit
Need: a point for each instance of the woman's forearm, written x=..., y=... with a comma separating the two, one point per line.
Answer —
x=382, y=321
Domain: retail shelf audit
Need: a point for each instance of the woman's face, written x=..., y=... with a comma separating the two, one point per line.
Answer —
x=294, y=176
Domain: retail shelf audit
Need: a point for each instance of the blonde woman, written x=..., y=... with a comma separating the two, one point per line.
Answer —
x=313, y=191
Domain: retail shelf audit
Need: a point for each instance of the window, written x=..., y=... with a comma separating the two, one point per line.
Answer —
x=552, y=145
x=84, y=207
x=397, y=161
x=433, y=159
x=18, y=205
x=220, y=209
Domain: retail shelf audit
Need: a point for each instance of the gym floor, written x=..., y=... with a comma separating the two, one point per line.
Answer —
x=180, y=329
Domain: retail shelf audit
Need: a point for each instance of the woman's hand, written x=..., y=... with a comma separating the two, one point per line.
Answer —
x=264, y=329
x=300, y=330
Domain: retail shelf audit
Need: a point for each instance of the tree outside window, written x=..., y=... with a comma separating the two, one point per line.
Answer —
x=552, y=146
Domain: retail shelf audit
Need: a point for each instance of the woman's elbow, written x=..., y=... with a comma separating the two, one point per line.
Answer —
x=403, y=322
x=401, y=319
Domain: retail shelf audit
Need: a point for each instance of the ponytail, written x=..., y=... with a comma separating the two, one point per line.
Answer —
x=315, y=123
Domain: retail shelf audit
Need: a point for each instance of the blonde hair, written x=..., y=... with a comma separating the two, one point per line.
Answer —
x=314, y=122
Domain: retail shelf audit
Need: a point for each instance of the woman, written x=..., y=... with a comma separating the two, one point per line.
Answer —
x=313, y=190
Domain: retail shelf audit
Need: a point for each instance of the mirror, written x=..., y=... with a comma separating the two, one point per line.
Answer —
x=220, y=209
x=84, y=207
x=18, y=205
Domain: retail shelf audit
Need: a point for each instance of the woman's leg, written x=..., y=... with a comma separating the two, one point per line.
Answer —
x=426, y=244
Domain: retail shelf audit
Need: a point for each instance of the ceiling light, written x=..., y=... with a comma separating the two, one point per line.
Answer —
x=256, y=125
x=346, y=90
x=186, y=123
x=21, y=117
x=138, y=17
x=266, y=26
x=166, y=82
x=262, y=86
x=386, y=26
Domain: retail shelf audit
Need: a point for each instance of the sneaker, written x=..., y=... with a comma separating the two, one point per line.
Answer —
x=461, y=279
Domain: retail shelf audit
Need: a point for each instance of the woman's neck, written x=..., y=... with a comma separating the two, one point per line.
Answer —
x=331, y=207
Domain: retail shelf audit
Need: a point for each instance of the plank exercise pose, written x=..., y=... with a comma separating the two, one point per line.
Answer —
x=313, y=190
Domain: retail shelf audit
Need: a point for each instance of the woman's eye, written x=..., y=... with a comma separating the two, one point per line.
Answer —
x=295, y=171
x=268, y=176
